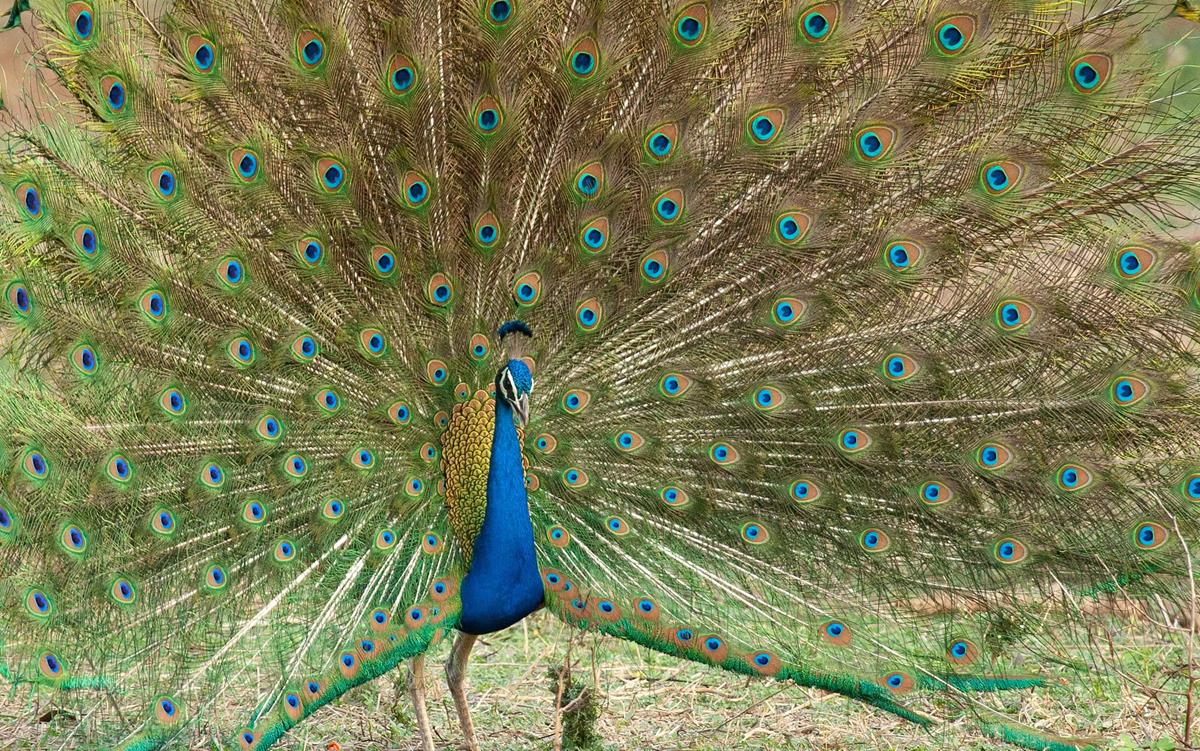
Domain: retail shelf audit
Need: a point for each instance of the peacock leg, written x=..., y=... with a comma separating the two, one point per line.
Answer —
x=416, y=690
x=456, y=675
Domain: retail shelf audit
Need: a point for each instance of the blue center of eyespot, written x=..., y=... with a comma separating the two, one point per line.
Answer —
x=588, y=183
x=248, y=165
x=500, y=11
x=721, y=452
x=83, y=25
x=416, y=191
x=214, y=472
x=441, y=293
x=256, y=510
x=312, y=252
x=752, y=532
x=88, y=359
x=1146, y=534
x=298, y=464
x=660, y=144
x=667, y=208
x=583, y=62
x=388, y=538
x=402, y=78
x=587, y=315
x=1130, y=262
x=40, y=601
x=646, y=606
x=572, y=477
x=990, y=456
x=385, y=262
x=932, y=491
x=333, y=176
x=203, y=56
x=5, y=518
x=348, y=660
x=816, y=24
x=870, y=144
x=898, y=256
x=594, y=238
x=896, y=366
x=850, y=439
x=1193, y=487
x=573, y=400
x=39, y=464
x=763, y=128
x=950, y=36
x=671, y=385
x=166, y=183
x=895, y=680
x=439, y=375
x=293, y=701
x=835, y=629
x=784, y=311
x=116, y=95
x=330, y=399
x=1011, y=314
x=33, y=202
x=156, y=304
x=488, y=119
x=313, y=687
x=218, y=576
x=52, y=663
x=689, y=28
x=762, y=659
x=653, y=268
x=364, y=457
x=1007, y=550
x=313, y=51
x=997, y=178
x=122, y=467
x=233, y=272
x=402, y=413
x=789, y=228
x=1086, y=75
x=871, y=539
x=376, y=343
x=801, y=490
x=88, y=241
x=244, y=350
x=764, y=397
x=713, y=644
x=1070, y=478
x=165, y=521
x=1124, y=391
x=126, y=590
x=285, y=549
x=487, y=233
x=22, y=300
x=176, y=401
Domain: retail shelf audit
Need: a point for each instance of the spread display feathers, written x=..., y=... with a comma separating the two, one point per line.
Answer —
x=834, y=310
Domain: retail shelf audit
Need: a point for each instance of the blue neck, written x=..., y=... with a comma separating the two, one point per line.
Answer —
x=503, y=584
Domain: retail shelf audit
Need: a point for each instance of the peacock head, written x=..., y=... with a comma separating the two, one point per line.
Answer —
x=514, y=381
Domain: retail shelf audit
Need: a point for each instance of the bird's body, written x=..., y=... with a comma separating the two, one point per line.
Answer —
x=502, y=584
x=864, y=346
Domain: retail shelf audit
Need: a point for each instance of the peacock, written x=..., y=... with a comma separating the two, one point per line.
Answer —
x=846, y=344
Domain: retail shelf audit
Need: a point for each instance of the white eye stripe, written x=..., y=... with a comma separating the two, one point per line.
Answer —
x=509, y=385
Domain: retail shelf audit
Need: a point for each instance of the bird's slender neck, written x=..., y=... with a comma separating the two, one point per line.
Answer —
x=503, y=584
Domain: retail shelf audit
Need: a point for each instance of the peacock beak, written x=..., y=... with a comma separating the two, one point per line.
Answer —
x=521, y=407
